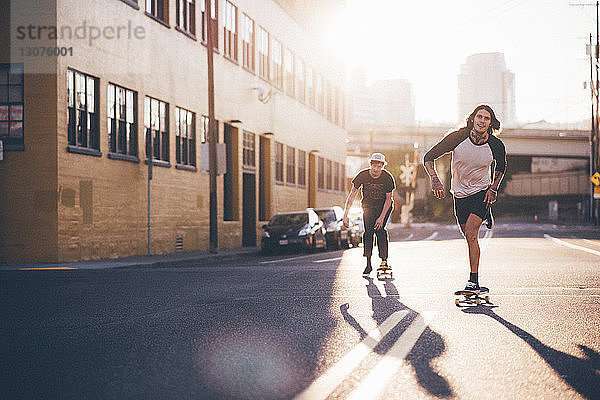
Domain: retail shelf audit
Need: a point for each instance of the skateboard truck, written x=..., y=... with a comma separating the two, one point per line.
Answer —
x=470, y=297
x=384, y=272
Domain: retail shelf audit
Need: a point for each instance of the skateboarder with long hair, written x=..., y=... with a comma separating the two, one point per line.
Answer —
x=377, y=203
x=474, y=149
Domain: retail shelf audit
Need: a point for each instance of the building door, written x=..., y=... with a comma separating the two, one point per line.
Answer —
x=230, y=179
x=264, y=179
x=249, y=210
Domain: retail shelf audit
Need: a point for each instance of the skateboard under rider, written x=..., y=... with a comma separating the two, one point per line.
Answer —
x=470, y=297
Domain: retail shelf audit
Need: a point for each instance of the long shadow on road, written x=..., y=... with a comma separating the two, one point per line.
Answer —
x=428, y=346
x=580, y=373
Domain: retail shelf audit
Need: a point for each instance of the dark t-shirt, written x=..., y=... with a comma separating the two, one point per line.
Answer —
x=374, y=190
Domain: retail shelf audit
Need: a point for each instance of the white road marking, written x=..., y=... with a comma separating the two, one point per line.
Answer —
x=433, y=236
x=327, y=259
x=283, y=259
x=572, y=246
x=486, y=240
x=324, y=385
x=594, y=243
x=373, y=386
x=410, y=236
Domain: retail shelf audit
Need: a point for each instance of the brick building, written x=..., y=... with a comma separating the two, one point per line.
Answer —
x=124, y=79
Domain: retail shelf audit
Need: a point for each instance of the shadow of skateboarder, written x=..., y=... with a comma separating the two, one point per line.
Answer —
x=428, y=346
x=582, y=374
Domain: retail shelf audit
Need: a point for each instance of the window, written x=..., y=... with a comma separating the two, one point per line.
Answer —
x=11, y=106
x=122, y=121
x=336, y=105
x=343, y=110
x=319, y=102
x=300, y=80
x=310, y=87
x=132, y=3
x=156, y=123
x=249, y=150
x=329, y=100
x=247, y=32
x=203, y=128
x=159, y=9
x=230, y=31
x=329, y=177
x=320, y=173
x=186, y=16
x=336, y=176
x=301, y=168
x=214, y=22
x=84, y=129
x=277, y=63
x=185, y=137
x=288, y=66
x=278, y=162
x=263, y=53
x=290, y=165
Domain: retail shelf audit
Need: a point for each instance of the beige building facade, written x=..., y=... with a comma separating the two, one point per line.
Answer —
x=127, y=82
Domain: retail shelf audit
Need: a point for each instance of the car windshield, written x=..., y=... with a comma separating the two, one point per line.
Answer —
x=289, y=219
x=326, y=215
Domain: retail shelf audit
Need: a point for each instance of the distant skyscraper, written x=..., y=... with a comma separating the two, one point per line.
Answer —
x=484, y=78
x=394, y=103
x=360, y=107
x=385, y=103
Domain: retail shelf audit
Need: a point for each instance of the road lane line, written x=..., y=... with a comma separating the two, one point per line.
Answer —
x=433, y=236
x=596, y=243
x=325, y=384
x=572, y=246
x=327, y=259
x=284, y=259
x=410, y=236
x=486, y=240
x=373, y=386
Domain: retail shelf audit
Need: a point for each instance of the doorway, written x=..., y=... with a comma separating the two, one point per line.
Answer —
x=249, y=210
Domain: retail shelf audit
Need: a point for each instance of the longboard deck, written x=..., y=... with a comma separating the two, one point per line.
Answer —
x=483, y=290
x=384, y=273
x=472, y=297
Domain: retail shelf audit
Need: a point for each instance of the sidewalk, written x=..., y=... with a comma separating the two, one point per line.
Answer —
x=154, y=261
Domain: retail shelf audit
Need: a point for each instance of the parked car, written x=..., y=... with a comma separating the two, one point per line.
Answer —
x=357, y=226
x=337, y=234
x=297, y=229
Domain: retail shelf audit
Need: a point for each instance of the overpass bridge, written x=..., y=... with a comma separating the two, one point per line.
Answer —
x=546, y=165
x=518, y=142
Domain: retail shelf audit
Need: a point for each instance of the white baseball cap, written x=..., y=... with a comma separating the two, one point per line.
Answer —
x=378, y=157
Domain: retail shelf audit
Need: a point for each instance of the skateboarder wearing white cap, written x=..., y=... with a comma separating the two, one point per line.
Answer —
x=377, y=203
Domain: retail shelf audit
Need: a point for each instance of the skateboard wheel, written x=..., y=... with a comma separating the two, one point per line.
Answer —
x=487, y=299
x=457, y=302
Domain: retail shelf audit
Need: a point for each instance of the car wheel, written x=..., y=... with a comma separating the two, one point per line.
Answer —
x=338, y=243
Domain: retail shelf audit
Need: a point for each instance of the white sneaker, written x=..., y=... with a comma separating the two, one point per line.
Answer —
x=472, y=286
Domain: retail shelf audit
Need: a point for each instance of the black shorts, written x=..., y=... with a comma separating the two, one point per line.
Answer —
x=473, y=204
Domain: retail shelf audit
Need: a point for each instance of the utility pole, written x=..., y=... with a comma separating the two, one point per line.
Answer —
x=212, y=131
x=596, y=121
x=150, y=156
x=593, y=131
x=595, y=135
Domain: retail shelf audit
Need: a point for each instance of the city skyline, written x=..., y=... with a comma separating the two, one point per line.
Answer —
x=426, y=43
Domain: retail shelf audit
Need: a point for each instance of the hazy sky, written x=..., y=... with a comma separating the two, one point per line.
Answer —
x=426, y=42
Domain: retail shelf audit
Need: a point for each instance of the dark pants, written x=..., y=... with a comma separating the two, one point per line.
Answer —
x=370, y=215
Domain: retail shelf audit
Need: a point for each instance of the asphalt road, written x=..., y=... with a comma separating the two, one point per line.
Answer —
x=308, y=326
